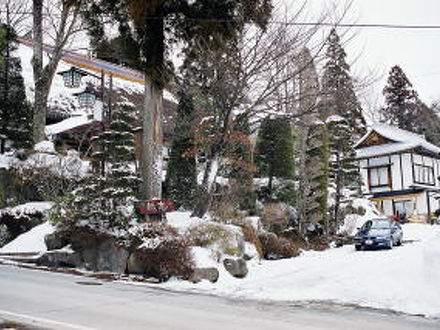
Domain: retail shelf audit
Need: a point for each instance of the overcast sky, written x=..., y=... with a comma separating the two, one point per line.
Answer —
x=416, y=51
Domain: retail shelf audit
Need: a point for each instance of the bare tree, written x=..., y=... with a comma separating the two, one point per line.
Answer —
x=255, y=76
x=61, y=25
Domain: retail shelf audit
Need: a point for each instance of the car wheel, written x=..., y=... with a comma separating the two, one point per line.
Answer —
x=399, y=243
x=358, y=247
x=390, y=244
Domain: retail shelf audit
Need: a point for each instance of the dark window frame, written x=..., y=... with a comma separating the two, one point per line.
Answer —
x=431, y=168
x=389, y=177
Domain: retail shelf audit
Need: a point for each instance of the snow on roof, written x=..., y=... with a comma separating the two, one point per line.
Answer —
x=67, y=124
x=403, y=140
x=61, y=97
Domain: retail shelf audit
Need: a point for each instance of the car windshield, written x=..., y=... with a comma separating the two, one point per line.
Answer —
x=381, y=224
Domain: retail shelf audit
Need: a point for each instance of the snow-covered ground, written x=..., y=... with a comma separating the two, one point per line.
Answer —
x=404, y=279
x=31, y=241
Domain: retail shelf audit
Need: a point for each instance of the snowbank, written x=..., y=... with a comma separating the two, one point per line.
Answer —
x=403, y=279
x=31, y=241
x=354, y=221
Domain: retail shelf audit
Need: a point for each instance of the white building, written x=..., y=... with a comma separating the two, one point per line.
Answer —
x=400, y=171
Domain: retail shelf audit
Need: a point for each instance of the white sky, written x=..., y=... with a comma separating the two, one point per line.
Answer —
x=416, y=51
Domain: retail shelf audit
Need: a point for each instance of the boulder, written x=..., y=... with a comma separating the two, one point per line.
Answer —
x=56, y=240
x=210, y=274
x=136, y=265
x=99, y=252
x=107, y=256
x=60, y=259
x=236, y=267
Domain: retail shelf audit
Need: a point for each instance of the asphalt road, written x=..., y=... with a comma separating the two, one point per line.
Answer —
x=62, y=301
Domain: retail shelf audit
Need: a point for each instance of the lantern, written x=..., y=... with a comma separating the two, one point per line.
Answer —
x=72, y=77
x=86, y=98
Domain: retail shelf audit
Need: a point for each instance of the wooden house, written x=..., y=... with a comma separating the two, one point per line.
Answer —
x=400, y=171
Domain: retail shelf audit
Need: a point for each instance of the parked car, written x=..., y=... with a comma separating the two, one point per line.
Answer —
x=378, y=233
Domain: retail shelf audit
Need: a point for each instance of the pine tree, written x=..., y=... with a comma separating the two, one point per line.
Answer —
x=400, y=100
x=428, y=122
x=344, y=174
x=15, y=111
x=181, y=180
x=275, y=151
x=338, y=96
x=312, y=174
x=105, y=201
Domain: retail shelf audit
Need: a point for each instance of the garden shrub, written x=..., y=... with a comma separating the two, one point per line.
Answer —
x=275, y=247
x=275, y=217
x=251, y=236
x=162, y=250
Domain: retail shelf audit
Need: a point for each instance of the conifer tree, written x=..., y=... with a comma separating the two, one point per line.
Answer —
x=400, y=100
x=344, y=174
x=275, y=151
x=312, y=174
x=338, y=95
x=104, y=200
x=15, y=111
x=181, y=180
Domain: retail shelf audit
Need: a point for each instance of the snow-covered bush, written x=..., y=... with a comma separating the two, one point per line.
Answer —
x=275, y=247
x=162, y=251
x=50, y=173
x=222, y=239
x=17, y=220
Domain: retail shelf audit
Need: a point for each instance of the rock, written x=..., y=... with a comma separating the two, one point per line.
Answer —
x=56, y=240
x=210, y=274
x=60, y=259
x=135, y=264
x=107, y=256
x=236, y=267
x=100, y=252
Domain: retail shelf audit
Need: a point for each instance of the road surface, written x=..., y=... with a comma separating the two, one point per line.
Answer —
x=64, y=301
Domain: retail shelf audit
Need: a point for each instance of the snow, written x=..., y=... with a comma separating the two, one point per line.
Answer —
x=354, y=221
x=403, y=279
x=7, y=160
x=404, y=140
x=31, y=241
x=45, y=147
x=182, y=221
x=67, y=124
x=62, y=98
x=28, y=208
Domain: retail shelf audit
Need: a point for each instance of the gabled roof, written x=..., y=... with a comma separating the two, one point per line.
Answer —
x=398, y=140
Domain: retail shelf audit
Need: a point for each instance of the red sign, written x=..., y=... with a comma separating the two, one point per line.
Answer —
x=155, y=207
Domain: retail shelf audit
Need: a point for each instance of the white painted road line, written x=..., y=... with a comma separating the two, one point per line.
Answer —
x=39, y=321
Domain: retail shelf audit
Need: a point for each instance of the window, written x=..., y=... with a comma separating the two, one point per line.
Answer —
x=424, y=174
x=380, y=176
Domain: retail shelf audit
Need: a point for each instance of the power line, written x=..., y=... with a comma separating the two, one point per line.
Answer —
x=347, y=25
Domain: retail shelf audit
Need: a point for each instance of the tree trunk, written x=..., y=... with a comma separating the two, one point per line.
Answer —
x=152, y=143
x=40, y=102
x=205, y=193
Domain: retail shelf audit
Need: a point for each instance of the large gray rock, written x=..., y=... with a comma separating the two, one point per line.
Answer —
x=56, y=240
x=236, y=267
x=60, y=259
x=99, y=252
x=136, y=265
x=210, y=274
x=107, y=256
